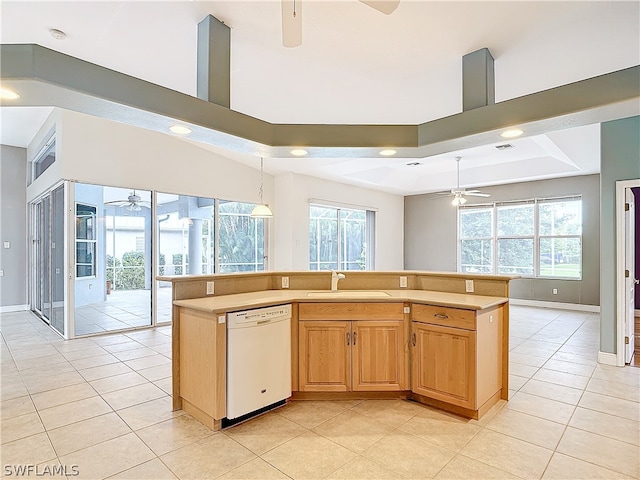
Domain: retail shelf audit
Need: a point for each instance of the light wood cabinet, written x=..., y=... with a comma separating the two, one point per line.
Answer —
x=325, y=356
x=340, y=353
x=444, y=363
x=378, y=358
x=457, y=355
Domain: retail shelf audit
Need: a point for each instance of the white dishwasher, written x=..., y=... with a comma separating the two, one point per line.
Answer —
x=258, y=361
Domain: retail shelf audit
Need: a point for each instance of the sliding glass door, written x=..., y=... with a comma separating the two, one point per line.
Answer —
x=48, y=280
x=112, y=287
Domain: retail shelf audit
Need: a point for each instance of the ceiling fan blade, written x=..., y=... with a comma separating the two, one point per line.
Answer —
x=117, y=203
x=476, y=194
x=291, y=23
x=435, y=195
x=383, y=6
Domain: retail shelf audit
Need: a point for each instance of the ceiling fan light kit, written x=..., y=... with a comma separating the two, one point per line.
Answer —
x=459, y=194
x=458, y=200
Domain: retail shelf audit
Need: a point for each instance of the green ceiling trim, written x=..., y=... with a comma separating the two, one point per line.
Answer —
x=49, y=78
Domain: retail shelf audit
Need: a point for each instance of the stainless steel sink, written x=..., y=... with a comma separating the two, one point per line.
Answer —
x=348, y=293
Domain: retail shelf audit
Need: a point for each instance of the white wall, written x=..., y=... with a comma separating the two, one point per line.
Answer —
x=290, y=224
x=99, y=151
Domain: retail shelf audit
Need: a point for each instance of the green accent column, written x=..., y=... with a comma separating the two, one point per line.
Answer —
x=478, y=80
x=619, y=160
x=214, y=61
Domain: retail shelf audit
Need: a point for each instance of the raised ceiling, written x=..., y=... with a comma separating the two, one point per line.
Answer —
x=356, y=66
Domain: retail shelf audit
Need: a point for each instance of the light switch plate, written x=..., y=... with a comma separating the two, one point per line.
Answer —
x=6, y=244
x=468, y=285
x=1, y=273
x=403, y=282
x=285, y=282
x=210, y=288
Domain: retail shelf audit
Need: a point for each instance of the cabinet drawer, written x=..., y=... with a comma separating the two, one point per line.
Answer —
x=350, y=311
x=446, y=316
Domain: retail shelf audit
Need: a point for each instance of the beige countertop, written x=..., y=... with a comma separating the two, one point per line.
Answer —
x=243, y=301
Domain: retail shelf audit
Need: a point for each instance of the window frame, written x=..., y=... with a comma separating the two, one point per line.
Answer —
x=369, y=234
x=537, y=236
x=87, y=241
x=256, y=220
x=491, y=239
x=44, y=153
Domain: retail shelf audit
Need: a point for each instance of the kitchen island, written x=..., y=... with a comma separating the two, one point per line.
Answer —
x=431, y=341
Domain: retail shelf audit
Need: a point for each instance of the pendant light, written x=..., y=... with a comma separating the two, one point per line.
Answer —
x=261, y=211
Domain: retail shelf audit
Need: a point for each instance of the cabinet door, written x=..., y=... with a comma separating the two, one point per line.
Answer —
x=325, y=356
x=444, y=363
x=378, y=356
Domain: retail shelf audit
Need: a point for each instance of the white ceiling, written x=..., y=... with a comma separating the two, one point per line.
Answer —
x=356, y=65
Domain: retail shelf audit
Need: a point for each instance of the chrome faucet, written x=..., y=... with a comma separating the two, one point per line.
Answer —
x=335, y=276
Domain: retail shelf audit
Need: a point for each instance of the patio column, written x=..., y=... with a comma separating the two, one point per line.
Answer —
x=195, y=247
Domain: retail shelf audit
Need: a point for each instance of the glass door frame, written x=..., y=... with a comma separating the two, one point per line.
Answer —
x=37, y=215
x=71, y=266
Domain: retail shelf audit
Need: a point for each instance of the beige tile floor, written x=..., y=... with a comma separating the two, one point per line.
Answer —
x=101, y=407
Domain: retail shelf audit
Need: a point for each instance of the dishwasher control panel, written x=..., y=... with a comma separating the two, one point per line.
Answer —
x=259, y=315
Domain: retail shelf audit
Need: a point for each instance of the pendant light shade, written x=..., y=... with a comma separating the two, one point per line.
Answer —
x=261, y=211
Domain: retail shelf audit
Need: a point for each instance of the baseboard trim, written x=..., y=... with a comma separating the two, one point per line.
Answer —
x=558, y=305
x=607, y=358
x=14, y=308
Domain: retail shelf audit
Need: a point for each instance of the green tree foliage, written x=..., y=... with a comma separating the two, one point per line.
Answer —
x=241, y=238
x=132, y=276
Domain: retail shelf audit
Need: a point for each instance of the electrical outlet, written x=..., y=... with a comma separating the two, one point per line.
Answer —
x=407, y=310
x=221, y=318
x=285, y=282
x=403, y=282
x=209, y=288
x=468, y=286
x=1, y=273
x=6, y=244
x=554, y=291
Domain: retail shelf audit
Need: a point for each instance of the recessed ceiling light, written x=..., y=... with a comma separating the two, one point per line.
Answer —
x=299, y=152
x=8, y=94
x=387, y=153
x=515, y=132
x=180, y=129
x=57, y=34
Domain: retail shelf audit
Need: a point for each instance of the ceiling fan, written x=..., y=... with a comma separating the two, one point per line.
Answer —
x=133, y=203
x=292, y=18
x=458, y=193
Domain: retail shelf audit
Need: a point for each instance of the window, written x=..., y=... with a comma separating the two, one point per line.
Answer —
x=535, y=238
x=560, y=226
x=515, y=238
x=85, y=240
x=338, y=238
x=240, y=237
x=45, y=158
x=476, y=240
